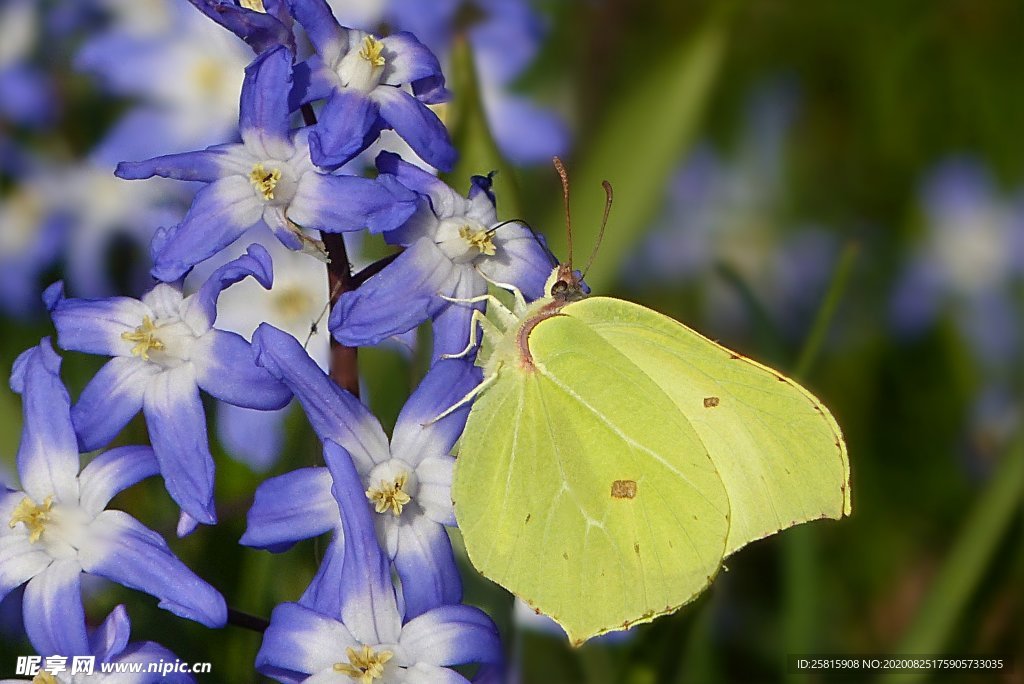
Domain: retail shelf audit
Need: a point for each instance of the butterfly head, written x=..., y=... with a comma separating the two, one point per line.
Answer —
x=565, y=284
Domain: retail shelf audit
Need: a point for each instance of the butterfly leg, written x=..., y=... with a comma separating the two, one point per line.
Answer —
x=517, y=294
x=505, y=316
x=488, y=328
x=464, y=400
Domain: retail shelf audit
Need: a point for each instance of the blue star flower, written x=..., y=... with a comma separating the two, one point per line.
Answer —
x=363, y=79
x=408, y=481
x=165, y=349
x=359, y=633
x=452, y=242
x=109, y=643
x=56, y=526
x=268, y=179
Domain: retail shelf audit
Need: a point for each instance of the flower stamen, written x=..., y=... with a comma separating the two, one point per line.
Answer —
x=390, y=494
x=34, y=516
x=371, y=52
x=481, y=240
x=254, y=5
x=365, y=665
x=145, y=339
x=264, y=181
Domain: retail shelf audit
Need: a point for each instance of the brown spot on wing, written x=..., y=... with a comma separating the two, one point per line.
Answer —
x=623, y=489
x=711, y=402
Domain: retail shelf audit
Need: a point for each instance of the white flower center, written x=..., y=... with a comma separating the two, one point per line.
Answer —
x=363, y=65
x=58, y=528
x=165, y=342
x=463, y=239
x=393, y=486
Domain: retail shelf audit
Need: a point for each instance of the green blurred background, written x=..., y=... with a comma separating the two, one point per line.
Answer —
x=873, y=97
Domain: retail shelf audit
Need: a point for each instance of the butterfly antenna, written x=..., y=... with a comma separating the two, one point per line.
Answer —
x=536, y=237
x=608, y=199
x=560, y=167
x=314, y=327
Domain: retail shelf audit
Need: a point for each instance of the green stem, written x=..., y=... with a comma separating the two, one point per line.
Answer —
x=823, y=321
x=962, y=571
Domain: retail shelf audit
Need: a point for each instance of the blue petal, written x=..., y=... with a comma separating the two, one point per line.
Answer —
x=301, y=641
x=147, y=652
x=112, y=472
x=111, y=399
x=452, y=635
x=324, y=592
x=345, y=128
x=205, y=166
x=226, y=370
x=177, y=429
x=329, y=39
x=54, y=616
x=131, y=554
x=264, y=113
x=262, y=31
x=397, y=299
x=311, y=81
x=415, y=436
x=417, y=125
x=94, y=326
x=369, y=607
x=342, y=203
x=334, y=413
x=109, y=639
x=255, y=438
x=201, y=311
x=426, y=566
x=452, y=322
x=291, y=507
x=422, y=673
x=408, y=60
x=219, y=214
x=20, y=560
x=48, y=454
x=444, y=201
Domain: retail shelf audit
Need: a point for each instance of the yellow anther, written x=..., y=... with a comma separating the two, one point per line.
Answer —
x=371, y=51
x=265, y=181
x=33, y=515
x=145, y=339
x=45, y=678
x=254, y=5
x=390, y=494
x=365, y=665
x=482, y=240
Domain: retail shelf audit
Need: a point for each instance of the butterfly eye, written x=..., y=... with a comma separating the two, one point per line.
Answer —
x=560, y=287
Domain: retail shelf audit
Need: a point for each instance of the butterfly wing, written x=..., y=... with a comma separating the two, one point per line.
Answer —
x=777, y=448
x=580, y=487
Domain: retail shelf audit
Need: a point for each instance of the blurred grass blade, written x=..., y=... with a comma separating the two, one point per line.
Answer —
x=636, y=148
x=801, y=571
x=964, y=567
x=471, y=135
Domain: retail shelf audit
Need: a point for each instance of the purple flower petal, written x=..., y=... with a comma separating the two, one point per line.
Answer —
x=415, y=437
x=226, y=370
x=369, y=607
x=417, y=125
x=177, y=429
x=329, y=39
x=521, y=258
x=220, y=213
x=131, y=554
x=334, y=413
x=300, y=642
x=201, y=311
x=291, y=507
x=407, y=60
x=345, y=128
x=205, y=166
x=253, y=437
x=453, y=321
x=111, y=399
x=452, y=635
x=426, y=566
x=342, y=203
x=264, y=113
x=443, y=200
x=48, y=454
x=54, y=616
x=95, y=326
x=112, y=472
x=109, y=639
x=397, y=299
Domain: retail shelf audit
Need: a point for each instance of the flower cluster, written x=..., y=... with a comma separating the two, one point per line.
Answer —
x=385, y=604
